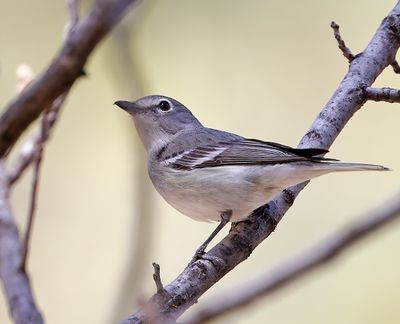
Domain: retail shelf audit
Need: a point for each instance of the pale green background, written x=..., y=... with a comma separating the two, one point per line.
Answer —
x=263, y=69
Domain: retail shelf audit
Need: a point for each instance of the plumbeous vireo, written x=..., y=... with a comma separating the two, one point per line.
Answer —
x=212, y=175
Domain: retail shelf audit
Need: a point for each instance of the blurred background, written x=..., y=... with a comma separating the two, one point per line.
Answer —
x=263, y=69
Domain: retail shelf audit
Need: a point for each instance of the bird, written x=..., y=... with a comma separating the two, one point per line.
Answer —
x=213, y=175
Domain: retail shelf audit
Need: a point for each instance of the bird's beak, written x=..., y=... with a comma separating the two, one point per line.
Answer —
x=130, y=107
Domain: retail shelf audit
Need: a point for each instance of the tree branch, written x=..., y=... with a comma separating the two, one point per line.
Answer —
x=15, y=281
x=320, y=254
x=383, y=94
x=245, y=236
x=65, y=69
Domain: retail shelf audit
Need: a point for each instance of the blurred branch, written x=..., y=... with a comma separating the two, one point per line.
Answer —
x=320, y=254
x=16, y=282
x=73, y=17
x=73, y=13
x=64, y=70
x=383, y=94
x=37, y=146
x=34, y=192
x=245, y=236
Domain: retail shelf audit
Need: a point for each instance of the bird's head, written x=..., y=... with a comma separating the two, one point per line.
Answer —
x=158, y=119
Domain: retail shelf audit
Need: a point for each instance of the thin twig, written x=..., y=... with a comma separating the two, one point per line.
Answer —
x=383, y=94
x=320, y=254
x=347, y=52
x=342, y=45
x=396, y=67
x=27, y=154
x=48, y=121
x=157, y=278
x=32, y=205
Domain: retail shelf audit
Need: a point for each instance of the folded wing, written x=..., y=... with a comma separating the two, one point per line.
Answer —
x=242, y=152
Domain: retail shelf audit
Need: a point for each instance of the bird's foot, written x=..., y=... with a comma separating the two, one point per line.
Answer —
x=202, y=255
x=198, y=254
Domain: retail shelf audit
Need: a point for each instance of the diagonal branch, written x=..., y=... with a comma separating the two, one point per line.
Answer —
x=244, y=237
x=320, y=254
x=65, y=69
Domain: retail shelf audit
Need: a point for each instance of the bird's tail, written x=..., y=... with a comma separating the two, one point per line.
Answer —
x=291, y=174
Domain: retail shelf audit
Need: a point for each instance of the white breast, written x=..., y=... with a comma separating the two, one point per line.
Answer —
x=203, y=194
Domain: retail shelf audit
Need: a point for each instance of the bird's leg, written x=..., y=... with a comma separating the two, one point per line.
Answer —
x=225, y=218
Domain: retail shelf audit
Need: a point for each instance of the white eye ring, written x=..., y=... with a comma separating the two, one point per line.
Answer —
x=164, y=105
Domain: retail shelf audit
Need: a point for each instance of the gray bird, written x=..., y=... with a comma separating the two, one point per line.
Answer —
x=212, y=175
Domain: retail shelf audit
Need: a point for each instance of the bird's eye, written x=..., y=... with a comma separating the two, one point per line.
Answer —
x=164, y=105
